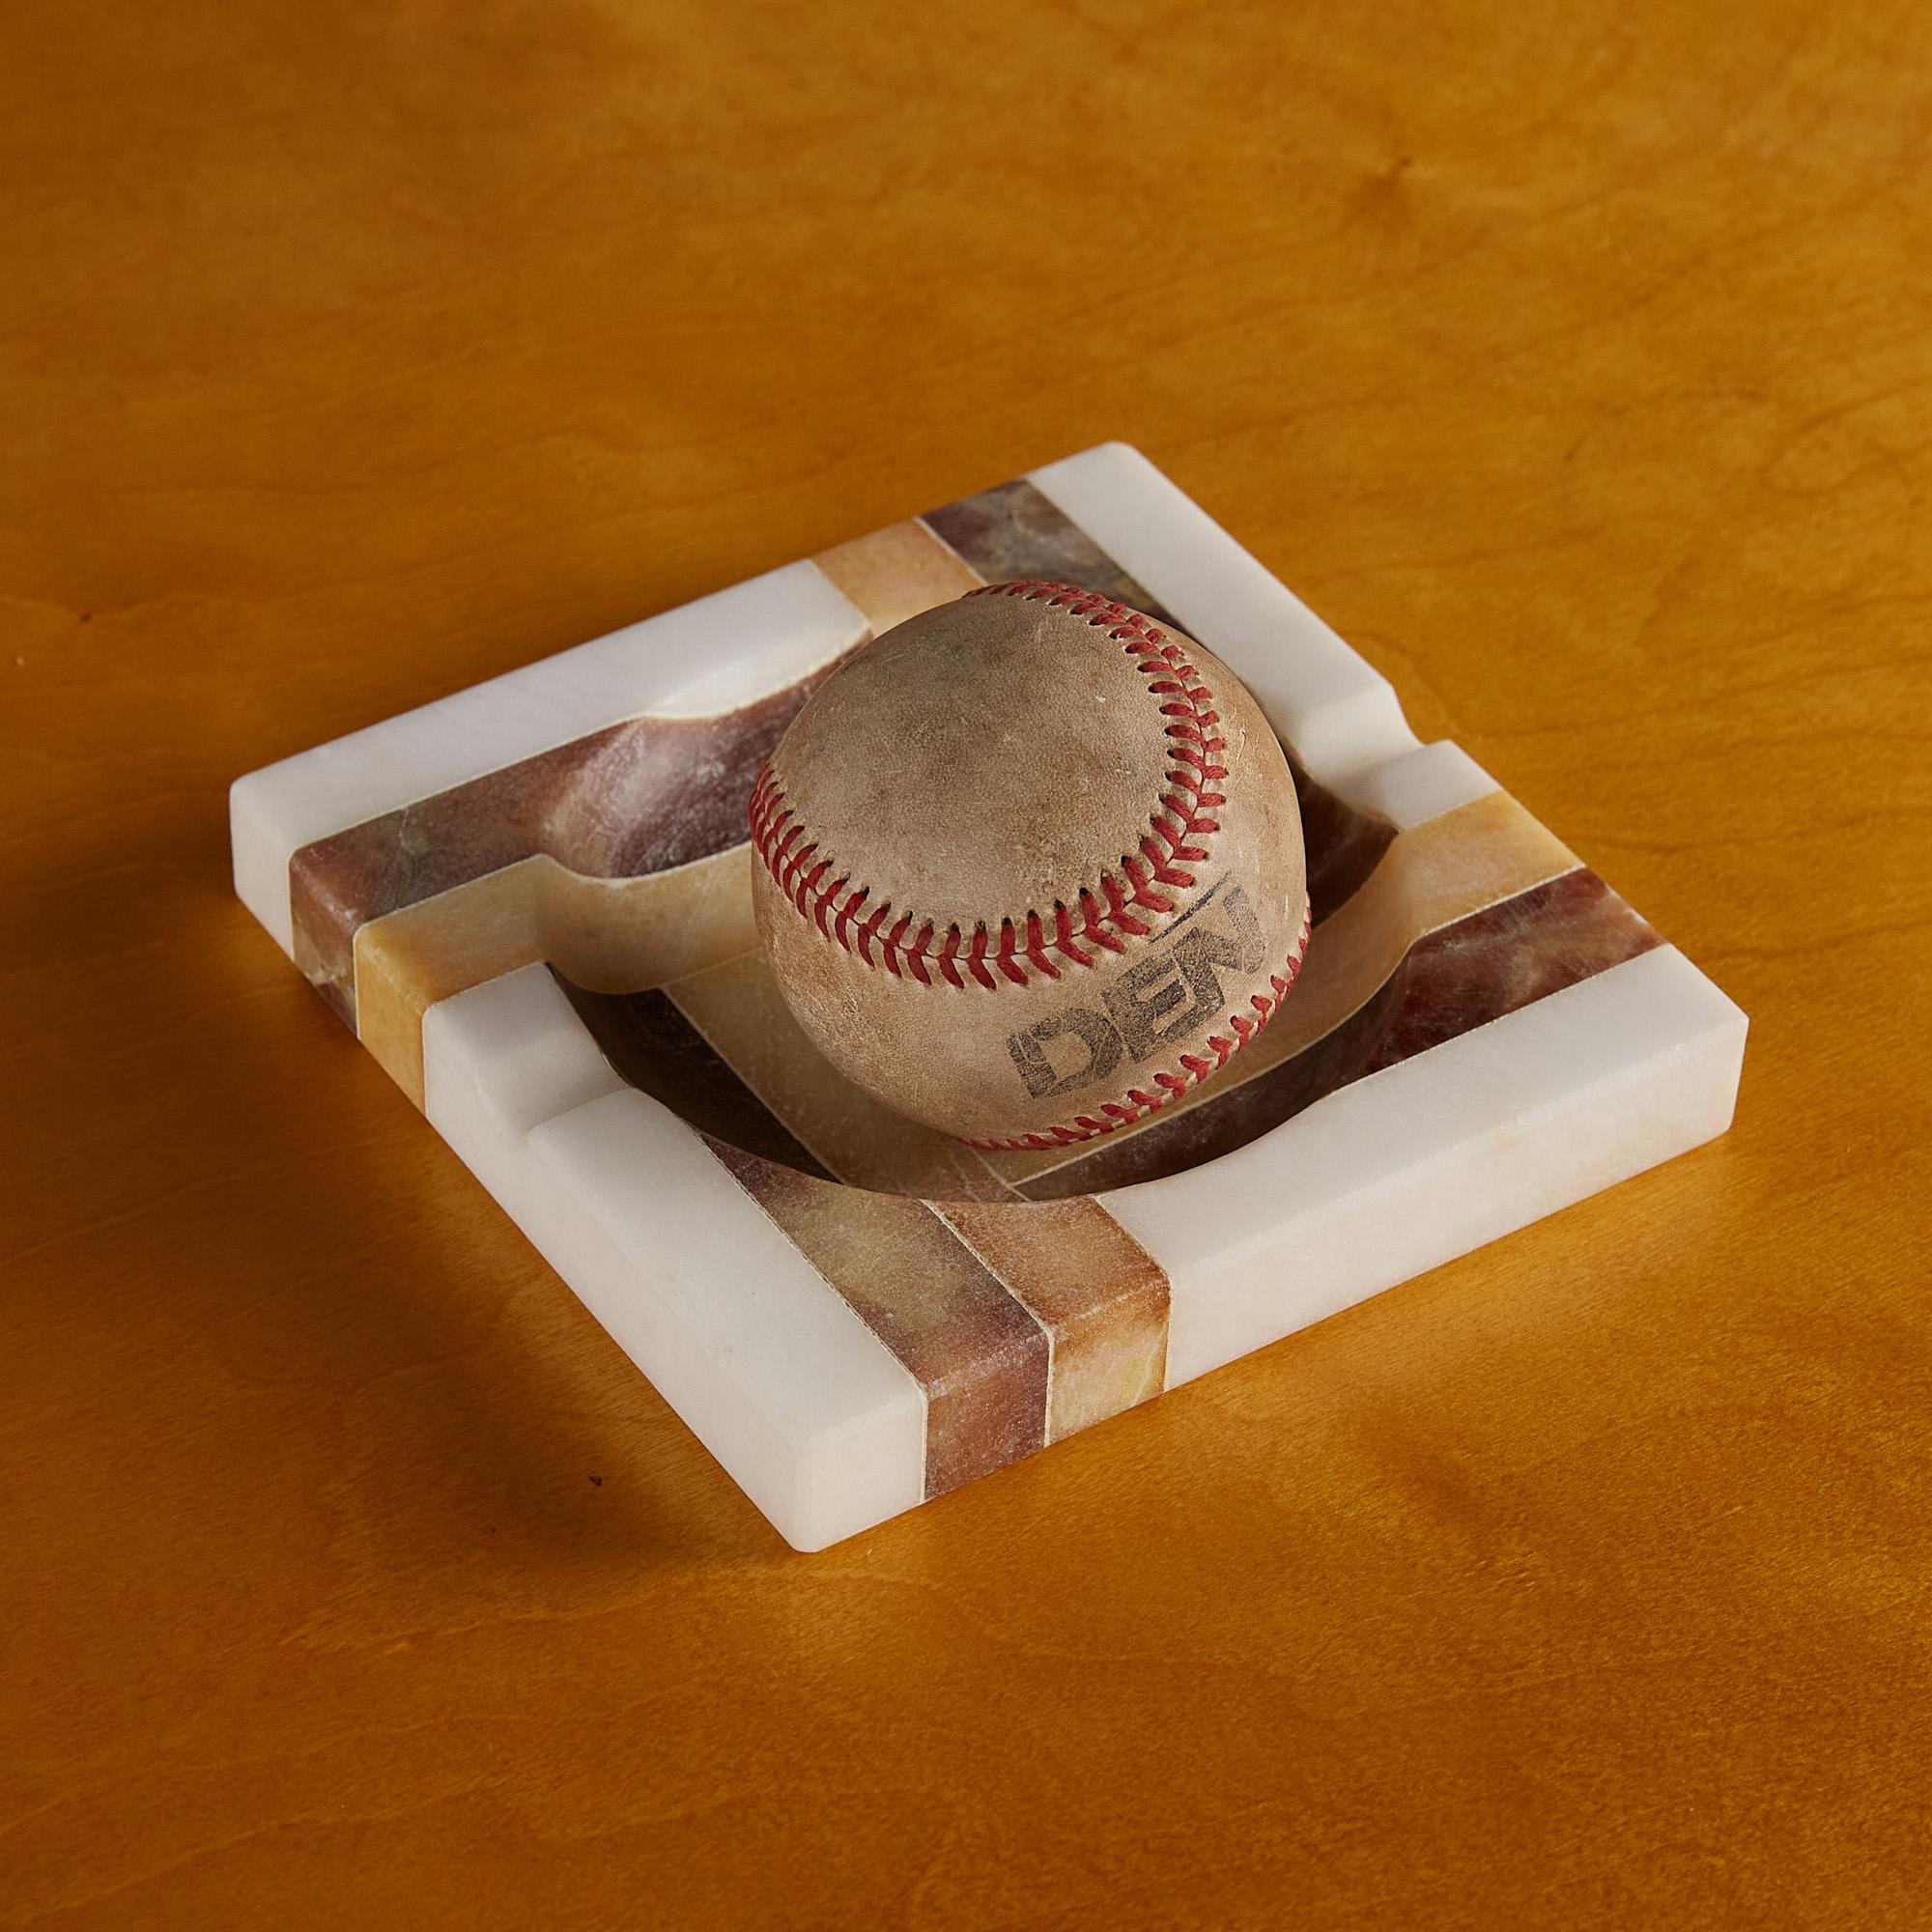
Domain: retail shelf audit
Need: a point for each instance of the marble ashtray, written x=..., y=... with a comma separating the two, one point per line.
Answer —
x=532, y=902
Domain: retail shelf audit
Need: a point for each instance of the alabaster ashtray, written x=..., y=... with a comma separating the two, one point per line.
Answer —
x=532, y=904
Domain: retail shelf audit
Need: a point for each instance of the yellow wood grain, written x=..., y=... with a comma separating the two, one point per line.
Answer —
x=1575, y=361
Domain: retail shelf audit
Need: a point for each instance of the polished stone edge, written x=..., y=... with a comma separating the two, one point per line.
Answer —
x=1439, y=1154
x=817, y=1421
x=808, y=1412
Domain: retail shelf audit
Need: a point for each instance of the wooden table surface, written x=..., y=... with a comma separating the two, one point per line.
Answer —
x=1574, y=361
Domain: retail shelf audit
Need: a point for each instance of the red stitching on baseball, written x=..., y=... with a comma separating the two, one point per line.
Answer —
x=1181, y=824
x=1169, y=1086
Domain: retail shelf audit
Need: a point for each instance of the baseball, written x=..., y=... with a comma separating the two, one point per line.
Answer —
x=1029, y=866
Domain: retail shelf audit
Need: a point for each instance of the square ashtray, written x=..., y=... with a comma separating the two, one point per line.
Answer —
x=532, y=902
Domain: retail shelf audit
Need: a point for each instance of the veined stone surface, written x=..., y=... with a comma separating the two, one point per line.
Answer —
x=531, y=902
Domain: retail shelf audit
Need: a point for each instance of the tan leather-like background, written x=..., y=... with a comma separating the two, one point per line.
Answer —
x=1574, y=361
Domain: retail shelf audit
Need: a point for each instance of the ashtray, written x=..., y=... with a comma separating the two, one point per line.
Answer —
x=532, y=902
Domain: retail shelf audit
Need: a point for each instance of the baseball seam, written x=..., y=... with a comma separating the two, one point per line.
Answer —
x=1160, y=1088
x=1180, y=825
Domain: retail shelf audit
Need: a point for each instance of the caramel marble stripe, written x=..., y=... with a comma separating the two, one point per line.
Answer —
x=739, y=1009
x=1429, y=876
x=897, y=573
x=1101, y=1296
x=977, y=1354
x=613, y=935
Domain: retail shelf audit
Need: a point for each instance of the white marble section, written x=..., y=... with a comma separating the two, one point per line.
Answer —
x=701, y=658
x=807, y=1409
x=1437, y=1156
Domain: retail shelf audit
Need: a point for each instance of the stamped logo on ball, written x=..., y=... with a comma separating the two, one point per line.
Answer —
x=1030, y=867
x=1137, y=1019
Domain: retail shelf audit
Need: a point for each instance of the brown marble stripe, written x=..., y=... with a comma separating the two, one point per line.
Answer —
x=1013, y=531
x=1459, y=978
x=1101, y=1296
x=979, y=1356
x=636, y=798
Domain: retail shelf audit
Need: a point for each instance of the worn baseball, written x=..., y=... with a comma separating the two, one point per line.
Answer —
x=1029, y=866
